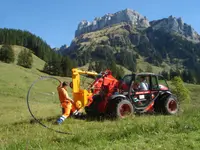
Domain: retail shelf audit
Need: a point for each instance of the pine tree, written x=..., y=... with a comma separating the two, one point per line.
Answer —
x=7, y=54
x=149, y=68
x=100, y=66
x=25, y=59
x=91, y=67
x=165, y=74
x=66, y=66
x=61, y=66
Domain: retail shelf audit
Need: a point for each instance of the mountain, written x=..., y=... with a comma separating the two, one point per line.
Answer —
x=126, y=37
x=61, y=49
x=176, y=25
x=170, y=24
x=127, y=15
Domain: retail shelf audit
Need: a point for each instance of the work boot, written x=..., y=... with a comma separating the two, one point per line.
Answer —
x=60, y=120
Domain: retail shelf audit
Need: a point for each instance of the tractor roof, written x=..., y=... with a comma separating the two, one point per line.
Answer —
x=146, y=73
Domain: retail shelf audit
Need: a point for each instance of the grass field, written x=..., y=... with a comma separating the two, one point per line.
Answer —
x=149, y=132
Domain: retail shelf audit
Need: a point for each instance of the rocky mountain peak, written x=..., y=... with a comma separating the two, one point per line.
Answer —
x=61, y=49
x=176, y=25
x=127, y=15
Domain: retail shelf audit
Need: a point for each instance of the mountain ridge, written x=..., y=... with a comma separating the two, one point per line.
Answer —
x=170, y=24
x=127, y=15
x=176, y=25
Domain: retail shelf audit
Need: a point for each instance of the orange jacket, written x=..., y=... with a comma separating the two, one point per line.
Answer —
x=63, y=95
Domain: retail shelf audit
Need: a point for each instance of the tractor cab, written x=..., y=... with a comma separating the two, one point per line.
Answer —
x=144, y=89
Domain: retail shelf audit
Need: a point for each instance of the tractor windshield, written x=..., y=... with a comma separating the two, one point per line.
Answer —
x=126, y=82
x=162, y=83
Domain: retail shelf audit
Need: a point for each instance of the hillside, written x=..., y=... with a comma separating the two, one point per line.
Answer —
x=56, y=64
x=37, y=63
x=26, y=39
x=167, y=44
x=14, y=83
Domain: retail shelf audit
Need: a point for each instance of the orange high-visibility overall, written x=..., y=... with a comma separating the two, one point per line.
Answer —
x=66, y=104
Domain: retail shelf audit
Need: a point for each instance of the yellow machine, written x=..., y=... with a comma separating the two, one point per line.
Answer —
x=80, y=96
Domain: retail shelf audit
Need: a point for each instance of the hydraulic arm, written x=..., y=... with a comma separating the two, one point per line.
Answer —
x=80, y=96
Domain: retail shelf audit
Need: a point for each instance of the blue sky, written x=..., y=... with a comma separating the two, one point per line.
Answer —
x=56, y=20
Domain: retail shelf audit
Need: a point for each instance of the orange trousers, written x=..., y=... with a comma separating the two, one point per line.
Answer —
x=67, y=108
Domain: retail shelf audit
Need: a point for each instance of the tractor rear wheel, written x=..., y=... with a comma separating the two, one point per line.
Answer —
x=121, y=108
x=171, y=105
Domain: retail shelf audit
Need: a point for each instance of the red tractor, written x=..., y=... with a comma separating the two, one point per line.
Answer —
x=118, y=98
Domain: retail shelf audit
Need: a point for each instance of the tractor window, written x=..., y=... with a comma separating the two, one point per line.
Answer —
x=154, y=83
x=162, y=81
x=127, y=79
x=143, y=82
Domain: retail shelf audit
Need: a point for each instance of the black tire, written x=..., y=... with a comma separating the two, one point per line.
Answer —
x=119, y=107
x=92, y=110
x=159, y=104
x=171, y=105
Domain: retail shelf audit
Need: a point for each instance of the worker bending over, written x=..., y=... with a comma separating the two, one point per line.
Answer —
x=67, y=103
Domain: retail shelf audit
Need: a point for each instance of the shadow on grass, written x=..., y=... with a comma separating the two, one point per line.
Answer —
x=102, y=118
x=48, y=119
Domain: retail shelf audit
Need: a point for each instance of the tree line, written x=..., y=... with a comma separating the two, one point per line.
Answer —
x=26, y=39
x=102, y=57
x=171, y=47
x=56, y=64
x=185, y=75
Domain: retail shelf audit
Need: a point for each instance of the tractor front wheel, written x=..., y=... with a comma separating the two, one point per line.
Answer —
x=171, y=105
x=123, y=108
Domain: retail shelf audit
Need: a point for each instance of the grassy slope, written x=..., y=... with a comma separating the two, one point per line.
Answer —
x=142, y=64
x=14, y=83
x=37, y=64
x=140, y=132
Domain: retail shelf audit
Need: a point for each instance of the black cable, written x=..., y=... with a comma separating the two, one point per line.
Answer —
x=42, y=77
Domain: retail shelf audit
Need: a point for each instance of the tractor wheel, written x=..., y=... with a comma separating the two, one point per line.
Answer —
x=122, y=109
x=159, y=104
x=92, y=110
x=171, y=105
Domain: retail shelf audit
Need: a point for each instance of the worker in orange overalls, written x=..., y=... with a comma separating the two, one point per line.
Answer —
x=67, y=103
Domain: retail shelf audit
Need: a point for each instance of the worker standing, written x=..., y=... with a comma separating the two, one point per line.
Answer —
x=67, y=103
